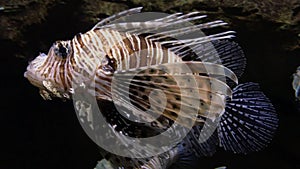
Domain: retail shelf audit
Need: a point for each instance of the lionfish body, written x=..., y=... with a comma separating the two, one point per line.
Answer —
x=116, y=59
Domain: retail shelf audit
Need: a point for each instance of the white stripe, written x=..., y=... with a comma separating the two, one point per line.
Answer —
x=138, y=62
x=82, y=60
x=134, y=49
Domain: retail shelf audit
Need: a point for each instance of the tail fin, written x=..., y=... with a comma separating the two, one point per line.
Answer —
x=249, y=120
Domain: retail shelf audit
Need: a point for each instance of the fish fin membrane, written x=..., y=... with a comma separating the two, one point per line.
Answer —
x=196, y=144
x=186, y=36
x=180, y=92
x=186, y=67
x=180, y=36
x=201, y=140
x=249, y=121
x=185, y=161
x=162, y=25
x=117, y=16
x=232, y=56
x=225, y=52
x=116, y=117
x=171, y=30
x=146, y=98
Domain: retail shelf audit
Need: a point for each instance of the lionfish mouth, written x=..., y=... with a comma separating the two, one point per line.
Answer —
x=32, y=71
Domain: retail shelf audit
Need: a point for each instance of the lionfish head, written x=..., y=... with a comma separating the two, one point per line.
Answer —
x=48, y=68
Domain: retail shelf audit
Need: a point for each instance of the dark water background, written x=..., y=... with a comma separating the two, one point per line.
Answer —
x=47, y=135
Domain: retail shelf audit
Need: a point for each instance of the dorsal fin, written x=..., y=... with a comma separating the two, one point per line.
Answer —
x=190, y=38
x=117, y=16
x=185, y=36
x=159, y=24
x=230, y=54
x=167, y=26
x=225, y=52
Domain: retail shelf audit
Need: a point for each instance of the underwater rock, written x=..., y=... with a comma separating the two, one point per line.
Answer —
x=284, y=16
x=16, y=15
x=272, y=50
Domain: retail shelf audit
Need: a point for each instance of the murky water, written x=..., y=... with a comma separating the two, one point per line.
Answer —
x=43, y=134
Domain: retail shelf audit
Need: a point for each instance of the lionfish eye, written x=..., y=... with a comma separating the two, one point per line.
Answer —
x=62, y=50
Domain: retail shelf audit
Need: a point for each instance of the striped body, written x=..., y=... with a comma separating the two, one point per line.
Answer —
x=89, y=49
x=130, y=51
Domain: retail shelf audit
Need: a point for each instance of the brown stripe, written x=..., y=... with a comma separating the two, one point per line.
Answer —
x=144, y=45
x=128, y=45
x=73, y=62
x=54, y=70
x=142, y=51
x=100, y=81
x=69, y=64
x=78, y=37
x=135, y=44
x=93, y=44
x=62, y=74
x=47, y=63
x=66, y=74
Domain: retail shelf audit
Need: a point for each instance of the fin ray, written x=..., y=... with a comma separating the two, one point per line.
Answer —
x=187, y=68
x=216, y=106
x=117, y=16
x=225, y=52
x=247, y=124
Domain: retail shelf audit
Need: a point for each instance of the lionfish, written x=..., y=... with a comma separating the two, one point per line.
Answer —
x=296, y=83
x=118, y=59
